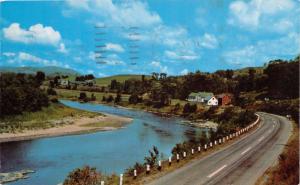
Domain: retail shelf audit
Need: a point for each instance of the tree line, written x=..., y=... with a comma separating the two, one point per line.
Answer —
x=21, y=92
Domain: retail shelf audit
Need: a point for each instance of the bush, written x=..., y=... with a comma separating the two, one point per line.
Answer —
x=118, y=98
x=152, y=159
x=51, y=91
x=188, y=108
x=83, y=97
x=93, y=97
x=84, y=176
x=134, y=99
x=109, y=99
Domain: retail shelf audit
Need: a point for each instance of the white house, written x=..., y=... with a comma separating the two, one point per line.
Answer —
x=213, y=101
x=200, y=97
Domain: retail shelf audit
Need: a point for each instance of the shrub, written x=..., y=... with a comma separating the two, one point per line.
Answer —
x=51, y=91
x=84, y=176
x=109, y=99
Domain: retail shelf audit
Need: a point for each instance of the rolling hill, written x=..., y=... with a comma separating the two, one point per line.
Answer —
x=48, y=70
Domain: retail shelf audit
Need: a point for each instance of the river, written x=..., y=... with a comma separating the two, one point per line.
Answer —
x=108, y=151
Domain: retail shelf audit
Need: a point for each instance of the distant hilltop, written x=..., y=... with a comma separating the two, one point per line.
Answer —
x=48, y=70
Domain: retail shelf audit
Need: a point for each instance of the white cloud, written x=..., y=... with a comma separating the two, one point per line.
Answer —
x=90, y=71
x=28, y=57
x=62, y=48
x=184, y=72
x=265, y=14
x=157, y=64
x=22, y=57
x=8, y=54
x=286, y=47
x=35, y=34
x=78, y=4
x=209, y=41
x=114, y=47
x=92, y=55
x=243, y=57
x=184, y=55
x=101, y=74
x=125, y=13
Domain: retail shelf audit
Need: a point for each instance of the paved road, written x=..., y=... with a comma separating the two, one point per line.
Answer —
x=240, y=163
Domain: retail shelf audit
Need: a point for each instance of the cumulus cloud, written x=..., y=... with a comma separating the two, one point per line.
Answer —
x=23, y=58
x=184, y=72
x=62, y=48
x=264, y=14
x=114, y=47
x=209, y=41
x=9, y=54
x=35, y=34
x=126, y=13
x=157, y=64
x=262, y=51
x=186, y=55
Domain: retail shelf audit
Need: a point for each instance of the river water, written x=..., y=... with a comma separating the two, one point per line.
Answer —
x=108, y=151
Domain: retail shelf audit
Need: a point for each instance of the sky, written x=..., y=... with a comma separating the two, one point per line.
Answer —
x=109, y=37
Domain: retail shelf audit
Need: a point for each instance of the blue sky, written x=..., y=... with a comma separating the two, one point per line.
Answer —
x=171, y=36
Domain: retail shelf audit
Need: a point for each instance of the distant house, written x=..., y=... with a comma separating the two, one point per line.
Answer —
x=200, y=97
x=64, y=82
x=224, y=99
x=213, y=101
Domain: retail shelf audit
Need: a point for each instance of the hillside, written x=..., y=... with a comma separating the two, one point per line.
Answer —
x=244, y=71
x=120, y=78
x=48, y=70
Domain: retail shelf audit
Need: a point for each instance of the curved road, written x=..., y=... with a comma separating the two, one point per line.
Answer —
x=240, y=163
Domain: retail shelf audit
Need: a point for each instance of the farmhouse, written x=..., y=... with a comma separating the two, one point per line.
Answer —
x=64, y=82
x=199, y=97
x=224, y=99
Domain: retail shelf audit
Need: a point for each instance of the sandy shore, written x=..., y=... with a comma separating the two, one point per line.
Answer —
x=78, y=126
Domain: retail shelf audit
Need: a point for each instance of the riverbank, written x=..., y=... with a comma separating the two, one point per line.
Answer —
x=58, y=120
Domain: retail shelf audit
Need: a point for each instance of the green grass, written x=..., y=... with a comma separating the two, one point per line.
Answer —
x=105, y=81
x=120, y=78
x=44, y=118
x=74, y=94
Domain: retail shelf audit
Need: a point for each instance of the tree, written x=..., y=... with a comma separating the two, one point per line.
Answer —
x=118, y=98
x=51, y=91
x=84, y=176
x=109, y=99
x=82, y=96
x=19, y=93
x=134, y=99
x=152, y=159
x=40, y=77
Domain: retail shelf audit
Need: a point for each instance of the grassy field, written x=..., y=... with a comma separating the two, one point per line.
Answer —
x=120, y=78
x=41, y=119
x=74, y=94
x=105, y=81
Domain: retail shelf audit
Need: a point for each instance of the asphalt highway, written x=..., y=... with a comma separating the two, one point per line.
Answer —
x=240, y=163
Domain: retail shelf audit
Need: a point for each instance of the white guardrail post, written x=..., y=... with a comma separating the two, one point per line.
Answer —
x=121, y=179
x=135, y=174
x=147, y=169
